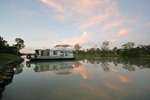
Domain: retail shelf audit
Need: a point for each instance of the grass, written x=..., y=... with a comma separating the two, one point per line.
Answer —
x=8, y=57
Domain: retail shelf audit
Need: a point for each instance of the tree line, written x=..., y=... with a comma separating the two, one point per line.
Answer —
x=14, y=49
x=126, y=50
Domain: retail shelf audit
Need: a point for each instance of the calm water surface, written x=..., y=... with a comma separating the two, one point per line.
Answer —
x=85, y=79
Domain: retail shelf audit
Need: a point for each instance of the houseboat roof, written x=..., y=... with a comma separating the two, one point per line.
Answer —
x=58, y=49
x=61, y=49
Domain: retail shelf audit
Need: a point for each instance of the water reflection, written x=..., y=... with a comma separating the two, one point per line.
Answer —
x=18, y=69
x=84, y=79
x=127, y=63
x=59, y=67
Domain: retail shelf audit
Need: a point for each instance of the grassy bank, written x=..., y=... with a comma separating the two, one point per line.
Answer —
x=8, y=57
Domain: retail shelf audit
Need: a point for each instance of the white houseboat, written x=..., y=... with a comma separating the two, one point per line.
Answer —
x=59, y=52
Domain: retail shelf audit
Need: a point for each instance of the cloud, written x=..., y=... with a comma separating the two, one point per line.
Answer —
x=27, y=50
x=123, y=32
x=84, y=39
x=114, y=24
x=45, y=37
x=85, y=13
x=57, y=7
x=147, y=24
x=114, y=40
x=118, y=22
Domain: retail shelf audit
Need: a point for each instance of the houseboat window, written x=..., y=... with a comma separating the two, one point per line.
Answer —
x=66, y=53
x=44, y=53
x=37, y=52
x=54, y=52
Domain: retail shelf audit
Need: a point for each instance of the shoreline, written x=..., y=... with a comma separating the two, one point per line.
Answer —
x=7, y=73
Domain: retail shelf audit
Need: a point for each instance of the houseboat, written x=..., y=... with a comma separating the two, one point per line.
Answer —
x=59, y=52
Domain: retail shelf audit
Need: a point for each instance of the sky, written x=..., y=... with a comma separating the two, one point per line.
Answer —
x=46, y=23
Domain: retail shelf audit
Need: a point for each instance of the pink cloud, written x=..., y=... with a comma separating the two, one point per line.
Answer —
x=85, y=38
x=114, y=24
x=54, y=5
x=114, y=40
x=86, y=13
x=27, y=50
x=147, y=24
x=123, y=32
x=45, y=37
x=122, y=20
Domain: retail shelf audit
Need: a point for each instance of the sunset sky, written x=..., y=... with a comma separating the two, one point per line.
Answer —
x=45, y=23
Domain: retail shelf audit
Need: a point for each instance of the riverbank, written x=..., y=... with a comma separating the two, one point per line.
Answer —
x=4, y=58
x=7, y=64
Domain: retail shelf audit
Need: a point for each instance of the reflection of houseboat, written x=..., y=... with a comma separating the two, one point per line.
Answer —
x=58, y=52
x=59, y=67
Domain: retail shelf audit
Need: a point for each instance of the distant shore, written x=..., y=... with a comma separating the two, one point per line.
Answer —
x=109, y=55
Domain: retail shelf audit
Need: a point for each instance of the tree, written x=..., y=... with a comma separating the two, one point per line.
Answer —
x=3, y=43
x=115, y=50
x=105, y=48
x=128, y=50
x=128, y=45
x=19, y=45
x=77, y=47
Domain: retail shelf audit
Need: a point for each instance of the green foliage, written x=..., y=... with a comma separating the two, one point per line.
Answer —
x=127, y=50
x=77, y=47
x=19, y=43
x=105, y=48
x=5, y=48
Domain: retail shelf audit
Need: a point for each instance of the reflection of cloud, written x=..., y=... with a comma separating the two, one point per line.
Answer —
x=84, y=72
x=115, y=70
x=123, y=78
x=84, y=75
x=115, y=87
x=95, y=91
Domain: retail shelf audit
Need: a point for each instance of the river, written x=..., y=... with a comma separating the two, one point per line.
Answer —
x=84, y=79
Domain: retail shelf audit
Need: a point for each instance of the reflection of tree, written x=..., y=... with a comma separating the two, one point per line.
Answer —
x=127, y=63
x=76, y=63
x=105, y=64
x=18, y=69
